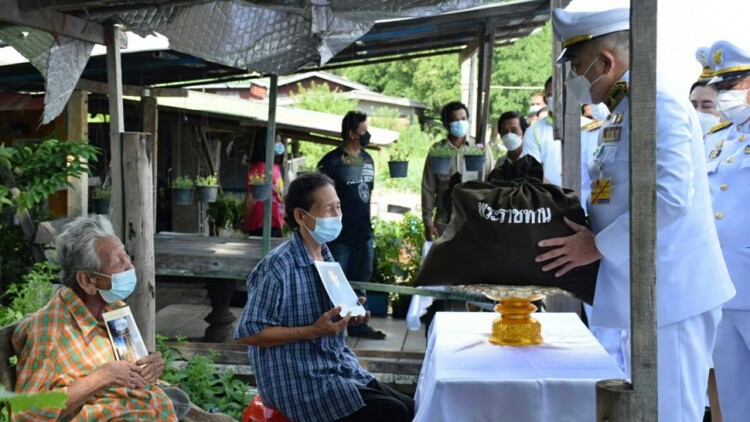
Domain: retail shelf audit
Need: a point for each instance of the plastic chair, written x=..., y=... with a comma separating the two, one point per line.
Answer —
x=257, y=411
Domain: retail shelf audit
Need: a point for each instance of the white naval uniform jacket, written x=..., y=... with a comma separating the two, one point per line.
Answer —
x=691, y=275
x=728, y=166
x=539, y=142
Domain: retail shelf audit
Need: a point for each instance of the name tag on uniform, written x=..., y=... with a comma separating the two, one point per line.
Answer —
x=612, y=134
x=601, y=191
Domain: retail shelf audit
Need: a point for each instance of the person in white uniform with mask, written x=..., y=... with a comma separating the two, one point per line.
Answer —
x=728, y=166
x=692, y=281
x=703, y=95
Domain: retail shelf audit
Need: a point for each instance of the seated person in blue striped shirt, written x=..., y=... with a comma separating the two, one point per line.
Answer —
x=296, y=340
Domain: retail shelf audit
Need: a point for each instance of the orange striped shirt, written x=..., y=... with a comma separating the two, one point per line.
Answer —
x=63, y=342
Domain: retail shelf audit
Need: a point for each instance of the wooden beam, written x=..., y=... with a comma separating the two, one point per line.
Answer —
x=643, y=41
x=96, y=87
x=486, y=54
x=270, y=140
x=76, y=119
x=52, y=22
x=116, y=127
x=139, y=227
x=150, y=114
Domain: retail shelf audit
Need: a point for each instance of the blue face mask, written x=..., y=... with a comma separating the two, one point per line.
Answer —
x=459, y=128
x=327, y=229
x=123, y=285
x=278, y=149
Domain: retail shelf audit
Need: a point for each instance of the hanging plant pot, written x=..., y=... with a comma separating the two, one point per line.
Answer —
x=398, y=168
x=183, y=196
x=261, y=192
x=440, y=165
x=352, y=172
x=101, y=206
x=377, y=303
x=207, y=193
x=474, y=162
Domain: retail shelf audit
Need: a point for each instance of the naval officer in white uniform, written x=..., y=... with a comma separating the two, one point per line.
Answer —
x=692, y=278
x=728, y=164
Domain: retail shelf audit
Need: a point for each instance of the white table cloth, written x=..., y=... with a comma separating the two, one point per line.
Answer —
x=466, y=378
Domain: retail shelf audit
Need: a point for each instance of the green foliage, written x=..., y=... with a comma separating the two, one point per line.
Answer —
x=103, y=193
x=397, y=249
x=210, y=180
x=258, y=179
x=352, y=160
x=320, y=98
x=443, y=150
x=227, y=212
x=385, y=118
x=30, y=295
x=399, y=152
x=182, y=182
x=15, y=257
x=414, y=143
x=528, y=62
x=198, y=378
x=41, y=169
x=474, y=150
x=22, y=401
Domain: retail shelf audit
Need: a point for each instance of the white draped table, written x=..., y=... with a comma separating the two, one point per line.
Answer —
x=466, y=378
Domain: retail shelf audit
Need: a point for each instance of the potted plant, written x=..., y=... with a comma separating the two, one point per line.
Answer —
x=224, y=215
x=183, y=187
x=102, y=200
x=351, y=168
x=474, y=157
x=441, y=156
x=398, y=165
x=207, y=187
x=259, y=187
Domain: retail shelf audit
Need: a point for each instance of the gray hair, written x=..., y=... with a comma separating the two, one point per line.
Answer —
x=76, y=246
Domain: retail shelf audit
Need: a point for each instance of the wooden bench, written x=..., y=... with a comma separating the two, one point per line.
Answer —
x=7, y=369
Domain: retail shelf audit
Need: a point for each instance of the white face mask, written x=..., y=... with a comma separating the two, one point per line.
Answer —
x=579, y=87
x=599, y=111
x=707, y=121
x=512, y=141
x=733, y=106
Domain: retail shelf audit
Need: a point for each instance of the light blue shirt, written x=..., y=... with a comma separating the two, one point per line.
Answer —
x=311, y=380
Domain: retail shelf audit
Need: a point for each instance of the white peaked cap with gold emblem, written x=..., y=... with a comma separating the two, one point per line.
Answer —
x=583, y=20
x=728, y=61
x=701, y=54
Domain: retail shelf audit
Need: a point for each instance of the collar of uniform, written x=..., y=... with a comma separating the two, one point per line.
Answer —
x=617, y=92
x=301, y=255
x=80, y=313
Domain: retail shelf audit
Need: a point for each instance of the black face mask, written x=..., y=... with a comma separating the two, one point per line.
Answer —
x=364, y=139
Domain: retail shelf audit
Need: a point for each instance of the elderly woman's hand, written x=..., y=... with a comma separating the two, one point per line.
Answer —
x=151, y=367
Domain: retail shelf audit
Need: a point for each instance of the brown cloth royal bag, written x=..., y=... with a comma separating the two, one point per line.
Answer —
x=494, y=230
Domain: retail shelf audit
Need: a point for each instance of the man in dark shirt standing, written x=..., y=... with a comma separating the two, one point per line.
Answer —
x=353, y=249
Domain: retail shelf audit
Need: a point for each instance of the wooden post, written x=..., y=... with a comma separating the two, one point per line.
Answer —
x=270, y=139
x=116, y=126
x=76, y=119
x=486, y=50
x=643, y=208
x=150, y=113
x=139, y=230
x=564, y=126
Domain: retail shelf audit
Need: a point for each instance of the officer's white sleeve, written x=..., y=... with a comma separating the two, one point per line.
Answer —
x=674, y=178
x=531, y=143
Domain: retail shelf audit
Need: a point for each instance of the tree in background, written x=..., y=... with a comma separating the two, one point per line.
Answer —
x=437, y=80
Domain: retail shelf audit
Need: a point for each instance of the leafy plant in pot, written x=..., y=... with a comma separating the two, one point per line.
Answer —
x=351, y=168
x=441, y=156
x=474, y=156
x=225, y=214
x=183, y=188
x=207, y=187
x=102, y=200
x=398, y=165
x=260, y=187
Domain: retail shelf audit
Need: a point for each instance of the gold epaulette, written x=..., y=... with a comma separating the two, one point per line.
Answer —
x=596, y=124
x=719, y=127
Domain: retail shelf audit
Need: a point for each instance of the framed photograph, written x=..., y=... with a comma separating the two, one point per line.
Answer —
x=124, y=336
x=339, y=289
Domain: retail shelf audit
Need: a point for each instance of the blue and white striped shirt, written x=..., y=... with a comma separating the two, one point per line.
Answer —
x=311, y=380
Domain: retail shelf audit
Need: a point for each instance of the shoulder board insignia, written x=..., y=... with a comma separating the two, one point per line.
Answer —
x=616, y=93
x=596, y=124
x=719, y=127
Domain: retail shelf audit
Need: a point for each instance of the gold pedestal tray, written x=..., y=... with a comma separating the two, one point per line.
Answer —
x=515, y=326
